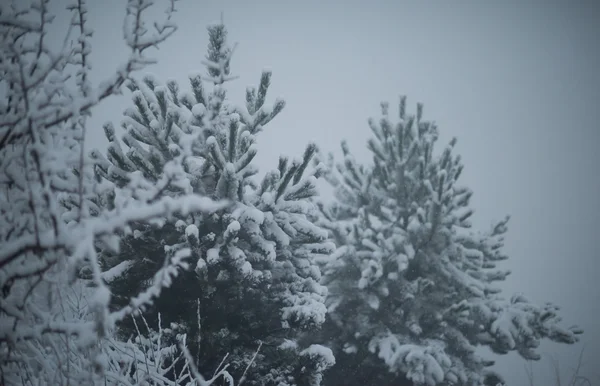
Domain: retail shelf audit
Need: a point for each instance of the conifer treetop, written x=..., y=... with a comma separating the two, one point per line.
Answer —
x=420, y=279
x=251, y=263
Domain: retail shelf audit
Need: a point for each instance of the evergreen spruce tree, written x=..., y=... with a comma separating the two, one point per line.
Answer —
x=252, y=284
x=412, y=286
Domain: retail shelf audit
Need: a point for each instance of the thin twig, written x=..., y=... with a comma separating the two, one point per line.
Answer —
x=243, y=377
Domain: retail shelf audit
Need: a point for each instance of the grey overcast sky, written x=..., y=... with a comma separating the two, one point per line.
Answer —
x=516, y=81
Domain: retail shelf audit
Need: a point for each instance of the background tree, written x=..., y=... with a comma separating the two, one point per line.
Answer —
x=411, y=286
x=254, y=283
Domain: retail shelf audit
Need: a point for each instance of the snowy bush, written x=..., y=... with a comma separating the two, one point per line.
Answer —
x=55, y=326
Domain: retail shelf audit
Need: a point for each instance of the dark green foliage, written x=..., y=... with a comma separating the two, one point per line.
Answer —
x=251, y=280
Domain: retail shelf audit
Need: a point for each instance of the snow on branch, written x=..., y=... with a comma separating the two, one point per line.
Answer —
x=36, y=73
x=55, y=325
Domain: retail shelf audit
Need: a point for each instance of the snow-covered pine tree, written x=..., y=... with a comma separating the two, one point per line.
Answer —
x=255, y=284
x=411, y=286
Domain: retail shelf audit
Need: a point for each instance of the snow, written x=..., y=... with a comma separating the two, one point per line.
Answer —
x=362, y=283
x=304, y=308
x=410, y=251
x=212, y=256
x=211, y=141
x=402, y=262
x=101, y=296
x=199, y=110
x=116, y=271
x=166, y=204
x=288, y=344
x=155, y=125
x=252, y=214
x=266, y=109
x=384, y=291
x=422, y=364
x=233, y=227
x=192, y=231
x=414, y=225
x=272, y=229
x=415, y=329
x=246, y=268
x=324, y=354
x=200, y=265
x=373, y=301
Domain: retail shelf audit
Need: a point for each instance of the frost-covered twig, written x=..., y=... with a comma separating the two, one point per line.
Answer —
x=55, y=327
x=576, y=378
x=243, y=377
x=56, y=108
